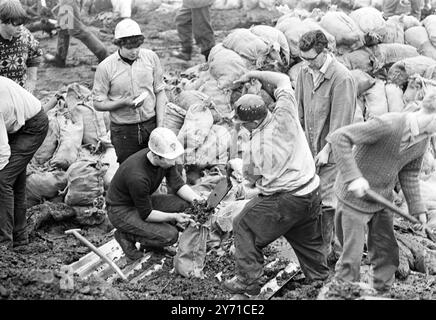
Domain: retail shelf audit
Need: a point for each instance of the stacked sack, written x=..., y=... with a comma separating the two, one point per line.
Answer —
x=201, y=106
x=76, y=161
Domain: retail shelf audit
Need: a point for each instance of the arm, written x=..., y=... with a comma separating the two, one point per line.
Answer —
x=343, y=139
x=343, y=107
x=299, y=97
x=186, y=193
x=409, y=180
x=32, y=76
x=5, y=150
x=279, y=80
x=101, y=90
x=161, y=101
x=33, y=61
x=159, y=89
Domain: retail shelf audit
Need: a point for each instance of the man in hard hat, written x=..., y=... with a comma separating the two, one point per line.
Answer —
x=193, y=18
x=128, y=74
x=375, y=154
x=280, y=164
x=326, y=97
x=70, y=23
x=140, y=215
x=23, y=127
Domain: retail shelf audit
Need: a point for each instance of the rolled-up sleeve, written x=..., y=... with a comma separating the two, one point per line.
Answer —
x=101, y=87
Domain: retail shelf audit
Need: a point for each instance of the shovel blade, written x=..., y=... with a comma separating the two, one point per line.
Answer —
x=218, y=193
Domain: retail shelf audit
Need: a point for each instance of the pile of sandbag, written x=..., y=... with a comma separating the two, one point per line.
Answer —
x=76, y=161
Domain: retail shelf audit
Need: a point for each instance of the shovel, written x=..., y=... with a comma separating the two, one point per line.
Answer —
x=378, y=198
x=221, y=189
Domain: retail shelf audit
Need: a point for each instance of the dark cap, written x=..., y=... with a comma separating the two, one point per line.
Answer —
x=250, y=107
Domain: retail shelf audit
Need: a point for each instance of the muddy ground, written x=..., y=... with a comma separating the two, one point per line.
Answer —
x=33, y=272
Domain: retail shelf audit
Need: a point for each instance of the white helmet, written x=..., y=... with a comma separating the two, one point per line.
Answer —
x=127, y=28
x=164, y=143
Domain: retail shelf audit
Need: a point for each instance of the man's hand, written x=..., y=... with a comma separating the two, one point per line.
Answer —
x=245, y=78
x=322, y=158
x=359, y=187
x=182, y=218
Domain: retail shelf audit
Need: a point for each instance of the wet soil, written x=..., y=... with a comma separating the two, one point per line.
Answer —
x=33, y=271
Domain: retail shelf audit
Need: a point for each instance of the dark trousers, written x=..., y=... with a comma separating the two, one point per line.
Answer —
x=128, y=139
x=153, y=234
x=382, y=246
x=80, y=31
x=24, y=143
x=266, y=218
x=195, y=22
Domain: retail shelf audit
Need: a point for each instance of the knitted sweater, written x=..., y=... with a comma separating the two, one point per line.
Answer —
x=17, y=55
x=377, y=158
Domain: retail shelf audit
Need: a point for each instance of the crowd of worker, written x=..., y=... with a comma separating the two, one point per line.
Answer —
x=311, y=165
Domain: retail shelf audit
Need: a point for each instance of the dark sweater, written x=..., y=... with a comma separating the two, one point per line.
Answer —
x=136, y=180
x=17, y=55
x=377, y=157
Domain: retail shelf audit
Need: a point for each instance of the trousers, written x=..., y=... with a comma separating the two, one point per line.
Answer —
x=152, y=234
x=23, y=143
x=266, y=218
x=73, y=27
x=195, y=22
x=383, y=249
x=128, y=139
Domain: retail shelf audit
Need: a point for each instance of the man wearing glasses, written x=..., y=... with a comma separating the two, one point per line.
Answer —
x=281, y=166
x=326, y=97
x=20, y=54
x=129, y=84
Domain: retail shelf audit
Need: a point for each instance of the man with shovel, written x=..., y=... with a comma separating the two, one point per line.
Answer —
x=374, y=154
x=140, y=215
x=280, y=164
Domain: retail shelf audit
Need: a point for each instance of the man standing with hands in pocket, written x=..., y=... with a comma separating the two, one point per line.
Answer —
x=129, y=84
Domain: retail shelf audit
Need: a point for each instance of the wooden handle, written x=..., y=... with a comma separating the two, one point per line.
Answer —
x=98, y=252
x=378, y=198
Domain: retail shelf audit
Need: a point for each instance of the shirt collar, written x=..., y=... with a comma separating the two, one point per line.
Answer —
x=326, y=68
x=326, y=64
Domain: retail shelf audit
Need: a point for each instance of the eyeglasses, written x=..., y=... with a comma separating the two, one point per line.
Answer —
x=310, y=59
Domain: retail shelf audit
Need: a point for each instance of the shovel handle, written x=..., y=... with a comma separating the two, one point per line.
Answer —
x=76, y=233
x=378, y=198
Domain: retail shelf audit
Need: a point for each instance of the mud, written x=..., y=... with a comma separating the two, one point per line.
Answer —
x=33, y=271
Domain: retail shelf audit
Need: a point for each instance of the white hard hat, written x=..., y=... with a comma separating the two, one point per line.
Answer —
x=164, y=143
x=127, y=28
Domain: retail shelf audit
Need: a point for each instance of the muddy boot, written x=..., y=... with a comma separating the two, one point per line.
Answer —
x=237, y=286
x=128, y=246
x=184, y=54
